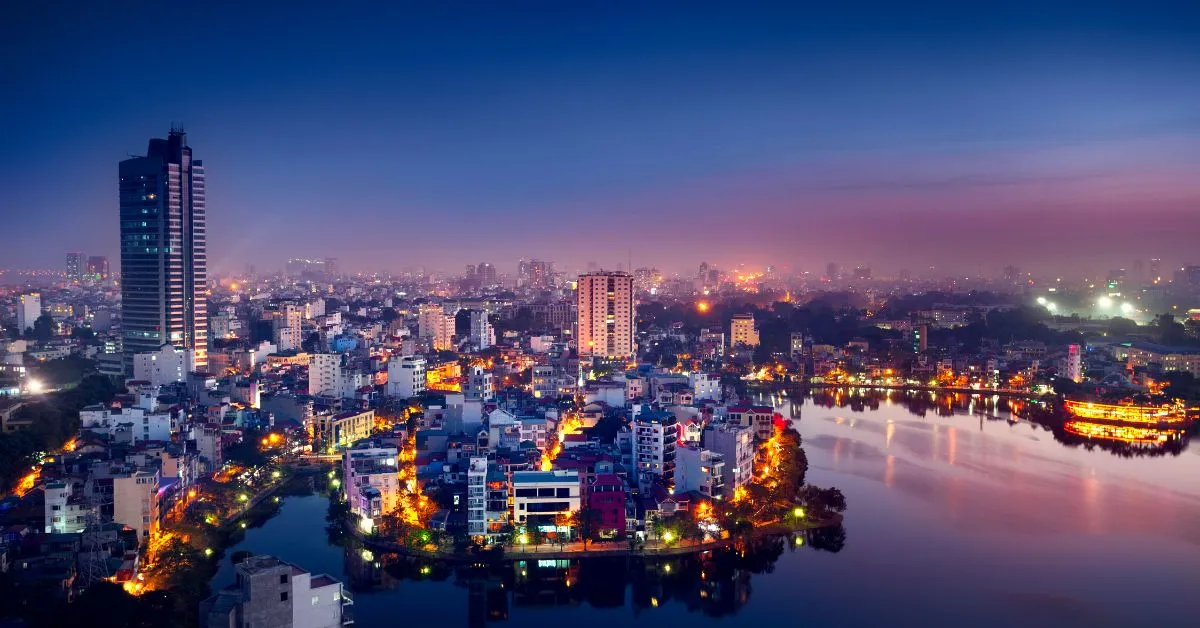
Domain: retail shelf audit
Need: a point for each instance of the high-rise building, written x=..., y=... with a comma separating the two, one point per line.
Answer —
x=28, y=310
x=482, y=334
x=832, y=271
x=655, y=433
x=742, y=331
x=164, y=251
x=75, y=265
x=332, y=271
x=1074, y=364
x=862, y=273
x=1156, y=271
x=486, y=274
x=97, y=267
x=606, y=323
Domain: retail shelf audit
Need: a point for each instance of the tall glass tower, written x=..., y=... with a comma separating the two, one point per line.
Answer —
x=164, y=261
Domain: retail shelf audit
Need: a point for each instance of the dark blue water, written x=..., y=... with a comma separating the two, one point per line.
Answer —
x=952, y=521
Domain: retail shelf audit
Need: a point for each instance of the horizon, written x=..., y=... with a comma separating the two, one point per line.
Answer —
x=967, y=139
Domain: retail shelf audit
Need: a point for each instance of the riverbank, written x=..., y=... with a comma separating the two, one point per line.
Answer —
x=575, y=549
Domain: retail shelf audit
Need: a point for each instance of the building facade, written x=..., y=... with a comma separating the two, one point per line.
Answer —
x=742, y=331
x=606, y=315
x=406, y=376
x=655, y=435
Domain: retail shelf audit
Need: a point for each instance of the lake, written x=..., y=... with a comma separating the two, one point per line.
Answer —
x=959, y=515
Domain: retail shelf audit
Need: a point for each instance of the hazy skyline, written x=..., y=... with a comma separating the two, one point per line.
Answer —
x=404, y=135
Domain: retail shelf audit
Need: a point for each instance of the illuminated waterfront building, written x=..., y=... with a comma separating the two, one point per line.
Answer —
x=370, y=481
x=1135, y=354
x=655, y=435
x=271, y=592
x=736, y=444
x=540, y=497
x=1074, y=364
x=606, y=315
x=164, y=251
x=700, y=470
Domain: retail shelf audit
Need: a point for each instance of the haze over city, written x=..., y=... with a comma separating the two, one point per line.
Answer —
x=1042, y=135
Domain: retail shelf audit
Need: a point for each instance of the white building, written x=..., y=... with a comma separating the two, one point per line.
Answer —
x=700, y=470
x=705, y=386
x=480, y=384
x=65, y=512
x=487, y=499
x=369, y=478
x=406, y=376
x=482, y=334
x=29, y=308
x=427, y=316
x=539, y=497
x=742, y=331
x=655, y=435
x=1074, y=364
x=606, y=315
x=132, y=424
x=735, y=443
x=289, y=338
x=325, y=374
x=167, y=365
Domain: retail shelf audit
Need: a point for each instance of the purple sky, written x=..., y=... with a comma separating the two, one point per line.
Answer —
x=946, y=134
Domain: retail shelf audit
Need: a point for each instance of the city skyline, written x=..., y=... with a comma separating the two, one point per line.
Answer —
x=987, y=137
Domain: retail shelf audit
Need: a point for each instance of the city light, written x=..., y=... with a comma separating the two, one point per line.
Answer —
x=1127, y=308
x=1104, y=303
x=702, y=306
x=34, y=386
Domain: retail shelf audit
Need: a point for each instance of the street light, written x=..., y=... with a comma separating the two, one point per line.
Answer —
x=1104, y=303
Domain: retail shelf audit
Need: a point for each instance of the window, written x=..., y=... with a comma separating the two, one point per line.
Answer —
x=316, y=599
x=563, y=492
x=283, y=596
x=282, y=578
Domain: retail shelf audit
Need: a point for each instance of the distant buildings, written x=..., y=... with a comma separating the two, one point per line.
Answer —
x=1134, y=354
x=606, y=315
x=339, y=431
x=540, y=497
x=164, y=259
x=97, y=268
x=1074, y=364
x=76, y=263
x=482, y=334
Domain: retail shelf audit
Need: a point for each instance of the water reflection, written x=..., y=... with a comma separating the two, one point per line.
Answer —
x=1124, y=441
x=715, y=583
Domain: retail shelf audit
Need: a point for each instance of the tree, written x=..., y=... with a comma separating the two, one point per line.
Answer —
x=43, y=328
x=562, y=520
x=585, y=520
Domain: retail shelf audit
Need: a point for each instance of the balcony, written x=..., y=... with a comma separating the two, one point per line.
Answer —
x=347, y=599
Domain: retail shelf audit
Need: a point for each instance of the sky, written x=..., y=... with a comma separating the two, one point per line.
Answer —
x=1056, y=136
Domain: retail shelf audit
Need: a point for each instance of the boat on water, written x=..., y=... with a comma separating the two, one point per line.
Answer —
x=1143, y=425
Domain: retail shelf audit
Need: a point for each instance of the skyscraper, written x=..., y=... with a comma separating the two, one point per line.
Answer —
x=164, y=257
x=606, y=327
x=97, y=267
x=75, y=265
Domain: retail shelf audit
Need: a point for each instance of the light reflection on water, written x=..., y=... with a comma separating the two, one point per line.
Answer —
x=954, y=519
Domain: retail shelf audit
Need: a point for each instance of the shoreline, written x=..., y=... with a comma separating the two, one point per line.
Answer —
x=898, y=387
x=600, y=550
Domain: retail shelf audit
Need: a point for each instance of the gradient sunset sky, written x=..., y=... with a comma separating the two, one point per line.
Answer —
x=1057, y=136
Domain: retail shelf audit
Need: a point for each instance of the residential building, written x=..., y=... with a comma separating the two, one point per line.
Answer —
x=269, y=592
x=76, y=263
x=480, y=384
x=606, y=500
x=742, y=332
x=66, y=512
x=761, y=419
x=655, y=435
x=369, y=479
x=735, y=443
x=135, y=500
x=540, y=497
x=29, y=308
x=606, y=315
x=705, y=386
x=406, y=376
x=1074, y=364
x=487, y=499
x=325, y=374
x=482, y=334
x=164, y=259
x=167, y=365
x=700, y=470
